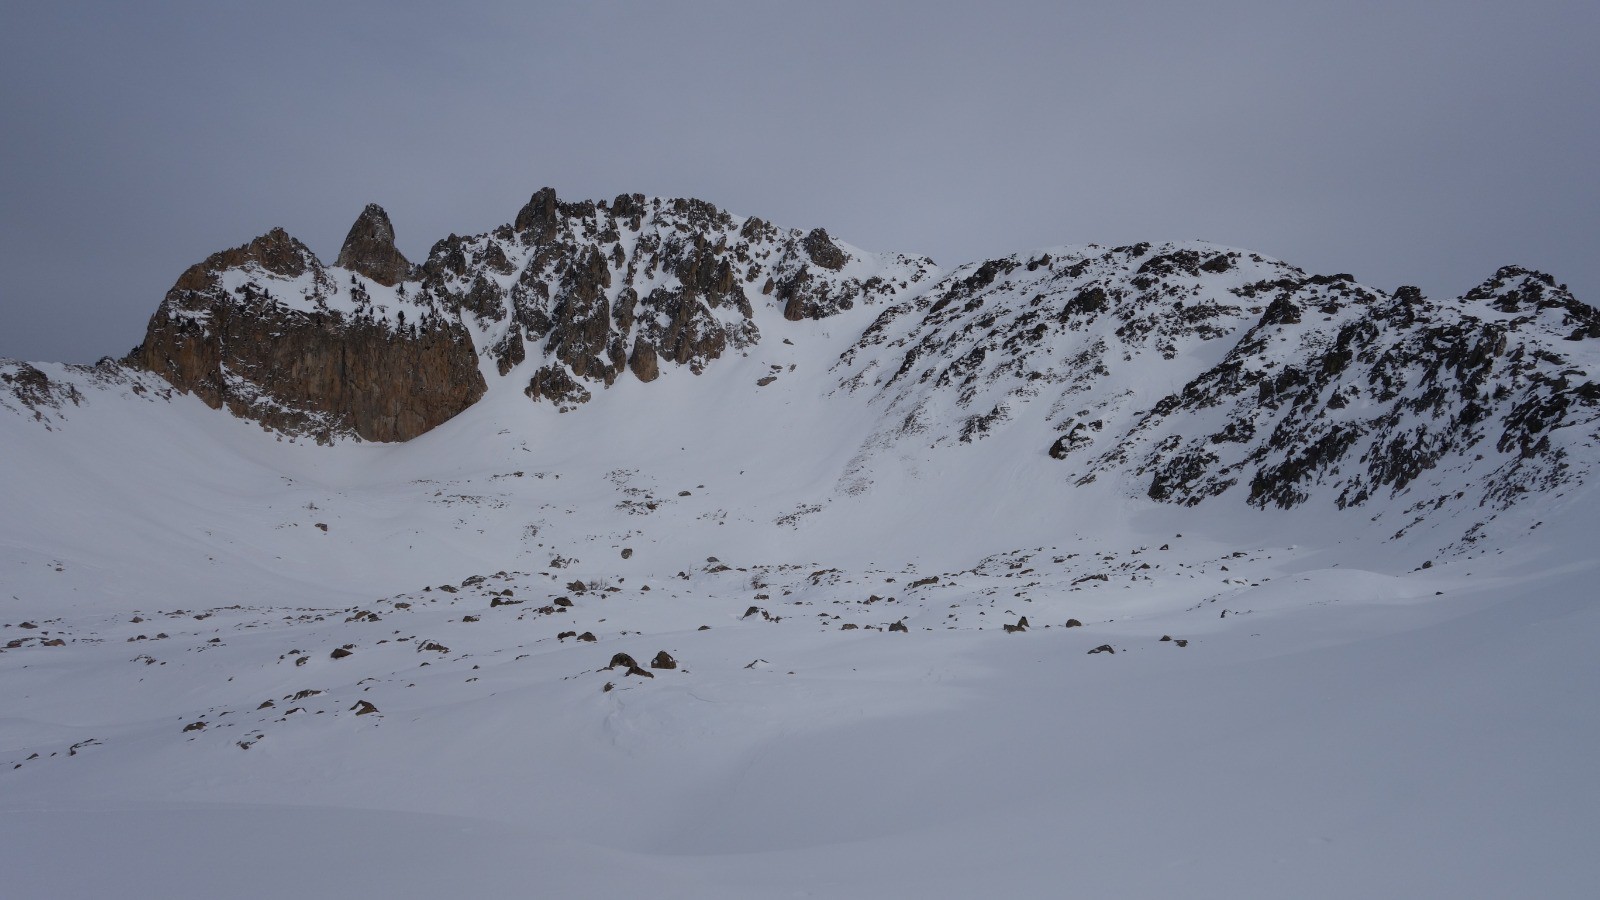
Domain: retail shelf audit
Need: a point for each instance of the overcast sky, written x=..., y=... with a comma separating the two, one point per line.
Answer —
x=1403, y=142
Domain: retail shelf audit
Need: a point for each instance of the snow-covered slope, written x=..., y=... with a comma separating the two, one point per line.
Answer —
x=234, y=661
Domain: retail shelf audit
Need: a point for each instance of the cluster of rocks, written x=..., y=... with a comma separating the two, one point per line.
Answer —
x=630, y=666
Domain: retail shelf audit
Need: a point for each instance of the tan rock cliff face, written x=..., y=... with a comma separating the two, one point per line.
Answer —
x=308, y=366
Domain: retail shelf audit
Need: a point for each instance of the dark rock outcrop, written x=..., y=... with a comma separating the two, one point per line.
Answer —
x=369, y=249
x=591, y=290
x=822, y=250
x=643, y=361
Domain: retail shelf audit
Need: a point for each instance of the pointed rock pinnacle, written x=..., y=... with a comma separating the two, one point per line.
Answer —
x=369, y=249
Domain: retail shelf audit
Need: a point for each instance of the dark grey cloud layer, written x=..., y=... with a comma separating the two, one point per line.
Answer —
x=1422, y=143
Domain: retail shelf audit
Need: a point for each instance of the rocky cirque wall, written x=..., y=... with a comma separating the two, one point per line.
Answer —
x=1185, y=370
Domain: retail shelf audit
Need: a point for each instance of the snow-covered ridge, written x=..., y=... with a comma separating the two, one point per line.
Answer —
x=45, y=393
x=1186, y=371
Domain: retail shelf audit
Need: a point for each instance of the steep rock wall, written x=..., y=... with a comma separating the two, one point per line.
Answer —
x=268, y=332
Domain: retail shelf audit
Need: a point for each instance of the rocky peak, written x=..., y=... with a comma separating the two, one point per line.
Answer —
x=1514, y=289
x=369, y=249
x=275, y=252
x=538, y=217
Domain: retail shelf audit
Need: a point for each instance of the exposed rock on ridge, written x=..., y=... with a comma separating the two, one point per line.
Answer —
x=1191, y=371
x=584, y=291
x=1353, y=393
x=269, y=332
x=369, y=249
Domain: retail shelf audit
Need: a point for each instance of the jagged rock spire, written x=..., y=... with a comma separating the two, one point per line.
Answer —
x=369, y=248
x=538, y=217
